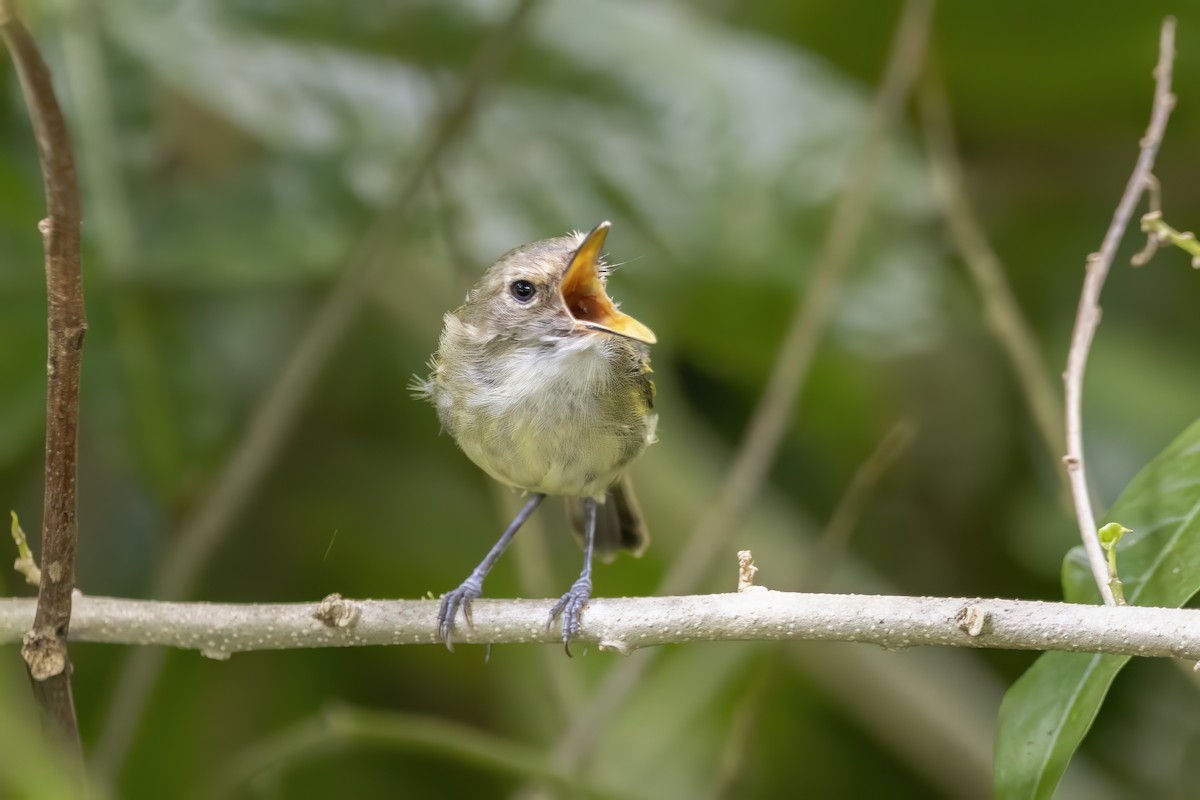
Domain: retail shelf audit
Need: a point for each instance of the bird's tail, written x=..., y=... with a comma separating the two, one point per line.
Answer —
x=619, y=523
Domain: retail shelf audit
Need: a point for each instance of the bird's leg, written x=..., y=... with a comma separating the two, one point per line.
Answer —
x=472, y=587
x=572, y=603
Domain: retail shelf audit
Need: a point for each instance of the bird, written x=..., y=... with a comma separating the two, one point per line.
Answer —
x=545, y=384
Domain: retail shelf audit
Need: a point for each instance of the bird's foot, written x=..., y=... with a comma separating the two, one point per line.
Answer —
x=571, y=608
x=468, y=590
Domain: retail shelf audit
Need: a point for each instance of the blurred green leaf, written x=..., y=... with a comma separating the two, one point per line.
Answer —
x=1048, y=711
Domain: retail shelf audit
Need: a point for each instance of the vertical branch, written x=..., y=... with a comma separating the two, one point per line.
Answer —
x=1088, y=316
x=45, y=646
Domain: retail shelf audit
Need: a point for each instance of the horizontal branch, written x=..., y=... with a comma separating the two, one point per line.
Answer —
x=626, y=624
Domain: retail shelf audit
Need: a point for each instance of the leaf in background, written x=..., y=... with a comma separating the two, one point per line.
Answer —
x=1048, y=711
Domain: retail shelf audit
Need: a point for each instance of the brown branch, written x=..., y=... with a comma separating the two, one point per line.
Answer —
x=45, y=645
x=274, y=418
x=1088, y=316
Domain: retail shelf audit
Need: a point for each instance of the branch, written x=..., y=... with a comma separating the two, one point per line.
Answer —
x=623, y=625
x=1088, y=316
x=45, y=645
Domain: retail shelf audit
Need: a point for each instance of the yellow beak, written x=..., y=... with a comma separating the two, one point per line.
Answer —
x=584, y=294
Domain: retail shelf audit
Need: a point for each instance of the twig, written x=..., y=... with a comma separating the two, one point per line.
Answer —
x=1003, y=313
x=1088, y=316
x=276, y=415
x=26, y=564
x=45, y=645
x=1159, y=232
x=1153, y=208
x=623, y=625
x=746, y=570
x=1110, y=535
x=774, y=411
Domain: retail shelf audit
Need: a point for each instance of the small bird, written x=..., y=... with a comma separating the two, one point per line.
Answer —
x=545, y=385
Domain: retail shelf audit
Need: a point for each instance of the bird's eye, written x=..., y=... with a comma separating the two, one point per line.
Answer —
x=523, y=291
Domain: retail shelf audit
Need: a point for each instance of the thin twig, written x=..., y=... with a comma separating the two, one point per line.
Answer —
x=626, y=624
x=1159, y=232
x=26, y=564
x=1003, y=313
x=276, y=415
x=1153, y=208
x=45, y=645
x=775, y=409
x=1088, y=316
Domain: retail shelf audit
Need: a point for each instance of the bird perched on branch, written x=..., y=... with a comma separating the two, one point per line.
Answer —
x=545, y=385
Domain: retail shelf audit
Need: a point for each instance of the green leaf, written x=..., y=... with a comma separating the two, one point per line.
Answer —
x=1048, y=711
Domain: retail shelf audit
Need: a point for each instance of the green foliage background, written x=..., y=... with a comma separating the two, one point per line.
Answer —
x=233, y=153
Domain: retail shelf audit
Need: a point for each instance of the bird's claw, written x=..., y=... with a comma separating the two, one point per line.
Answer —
x=571, y=608
x=461, y=597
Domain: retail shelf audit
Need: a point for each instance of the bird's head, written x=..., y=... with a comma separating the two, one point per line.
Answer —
x=549, y=290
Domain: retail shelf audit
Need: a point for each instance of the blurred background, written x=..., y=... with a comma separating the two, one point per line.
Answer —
x=244, y=162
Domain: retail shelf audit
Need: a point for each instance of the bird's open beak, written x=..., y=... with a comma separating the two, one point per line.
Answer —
x=585, y=297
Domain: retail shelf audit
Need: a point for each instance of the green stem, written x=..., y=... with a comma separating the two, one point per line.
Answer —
x=1162, y=233
x=1110, y=535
